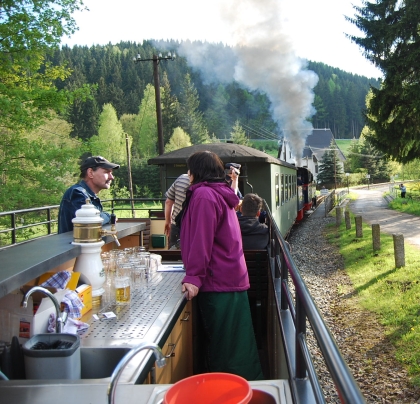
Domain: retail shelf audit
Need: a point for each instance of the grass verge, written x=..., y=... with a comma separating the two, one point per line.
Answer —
x=393, y=294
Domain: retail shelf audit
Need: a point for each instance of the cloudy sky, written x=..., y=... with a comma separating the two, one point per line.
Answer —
x=313, y=29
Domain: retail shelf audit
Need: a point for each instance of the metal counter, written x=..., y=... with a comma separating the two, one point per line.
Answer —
x=150, y=317
x=127, y=394
x=23, y=262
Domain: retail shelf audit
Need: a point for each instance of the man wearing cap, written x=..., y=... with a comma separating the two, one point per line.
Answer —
x=95, y=174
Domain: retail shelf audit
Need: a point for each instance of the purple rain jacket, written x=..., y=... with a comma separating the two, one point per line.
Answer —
x=211, y=242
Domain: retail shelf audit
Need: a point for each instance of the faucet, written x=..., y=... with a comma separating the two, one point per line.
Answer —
x=160, y=362
x=113, y=231
x=59, y=320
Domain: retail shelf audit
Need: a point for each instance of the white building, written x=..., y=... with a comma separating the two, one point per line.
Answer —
x=317, y=143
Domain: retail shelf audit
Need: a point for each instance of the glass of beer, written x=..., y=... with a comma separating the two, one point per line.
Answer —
x=122, y=282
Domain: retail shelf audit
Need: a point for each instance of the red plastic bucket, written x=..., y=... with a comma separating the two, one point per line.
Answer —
x=206, y=388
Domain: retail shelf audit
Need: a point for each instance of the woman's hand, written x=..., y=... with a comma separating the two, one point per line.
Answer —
x=189, y=290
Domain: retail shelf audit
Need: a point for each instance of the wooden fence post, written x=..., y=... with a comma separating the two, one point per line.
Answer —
x=347, y=219
x=376, y=237
x=359, y=228
x=399, y=252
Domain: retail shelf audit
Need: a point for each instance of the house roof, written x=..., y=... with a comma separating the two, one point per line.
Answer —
x=318, y=142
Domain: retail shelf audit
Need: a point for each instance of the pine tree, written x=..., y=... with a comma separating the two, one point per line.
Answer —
x=217, y=115
x=392, y=43
x=330, y=168
x=191, y=118
x=170, y=106
x=238, y=134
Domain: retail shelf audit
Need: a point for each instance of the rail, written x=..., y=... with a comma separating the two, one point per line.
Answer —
x=26, y=224
x=22, y=225
x=293, y=314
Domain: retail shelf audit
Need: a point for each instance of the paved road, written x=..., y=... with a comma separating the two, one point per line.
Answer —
x=372, y=206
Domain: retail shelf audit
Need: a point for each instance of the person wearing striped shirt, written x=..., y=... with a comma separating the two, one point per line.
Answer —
x=175, y=196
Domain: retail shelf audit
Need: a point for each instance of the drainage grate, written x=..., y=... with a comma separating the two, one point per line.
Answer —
x=134, y=320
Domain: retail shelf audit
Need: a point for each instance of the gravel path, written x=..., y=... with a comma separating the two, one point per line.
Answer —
x=368, y=353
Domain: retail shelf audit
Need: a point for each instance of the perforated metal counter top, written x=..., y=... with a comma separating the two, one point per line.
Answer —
x=149, y=309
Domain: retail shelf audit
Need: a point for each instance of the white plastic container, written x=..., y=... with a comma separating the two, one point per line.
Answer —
x=52, y=363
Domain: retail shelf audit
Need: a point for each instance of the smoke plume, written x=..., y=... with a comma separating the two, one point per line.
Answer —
x=261, y=58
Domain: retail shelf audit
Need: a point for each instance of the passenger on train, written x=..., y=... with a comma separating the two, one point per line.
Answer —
x=255, y=235
x=232, y=171
x=216, y=272
x=95, y=174
x=175, y=196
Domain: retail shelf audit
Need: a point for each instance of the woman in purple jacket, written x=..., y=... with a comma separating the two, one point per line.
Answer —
x=211, y=248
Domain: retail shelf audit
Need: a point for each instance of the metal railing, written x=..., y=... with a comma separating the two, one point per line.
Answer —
x=294, y=313
x=22, y=225
x=15, y=225
x=329, y=202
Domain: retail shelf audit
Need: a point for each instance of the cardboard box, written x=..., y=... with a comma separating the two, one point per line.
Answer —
x=85, y=294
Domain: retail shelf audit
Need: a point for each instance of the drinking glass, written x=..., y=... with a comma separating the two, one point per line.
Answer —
x=122, y=282
x=137, y=272
x=145, y=263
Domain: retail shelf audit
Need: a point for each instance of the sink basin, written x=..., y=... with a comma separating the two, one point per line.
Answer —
x=99, y=363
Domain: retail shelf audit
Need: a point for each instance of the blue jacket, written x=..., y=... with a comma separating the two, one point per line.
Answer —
x=73, y=199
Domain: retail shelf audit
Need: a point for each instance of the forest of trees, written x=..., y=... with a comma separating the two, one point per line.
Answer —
x=115, y=105
x=60, y=104
x=339, y=96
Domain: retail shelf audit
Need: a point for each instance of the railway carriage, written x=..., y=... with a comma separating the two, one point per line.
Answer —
x=272, y=179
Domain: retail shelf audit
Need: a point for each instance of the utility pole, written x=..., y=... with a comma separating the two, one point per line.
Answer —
x=130, y=180
x=156, y=60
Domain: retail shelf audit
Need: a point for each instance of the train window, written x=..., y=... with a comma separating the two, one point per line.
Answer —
x=294, y=185
x=286, y=187
x=290, y=187
x=282, y=189
x=277, y=190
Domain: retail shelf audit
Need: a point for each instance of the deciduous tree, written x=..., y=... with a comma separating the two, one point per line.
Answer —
x=145, y=140
x=178, y=140
x=29, y=31
x=110, y=141
x=37, y=166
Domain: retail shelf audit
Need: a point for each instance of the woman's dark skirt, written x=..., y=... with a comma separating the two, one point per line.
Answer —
x=226, y=336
